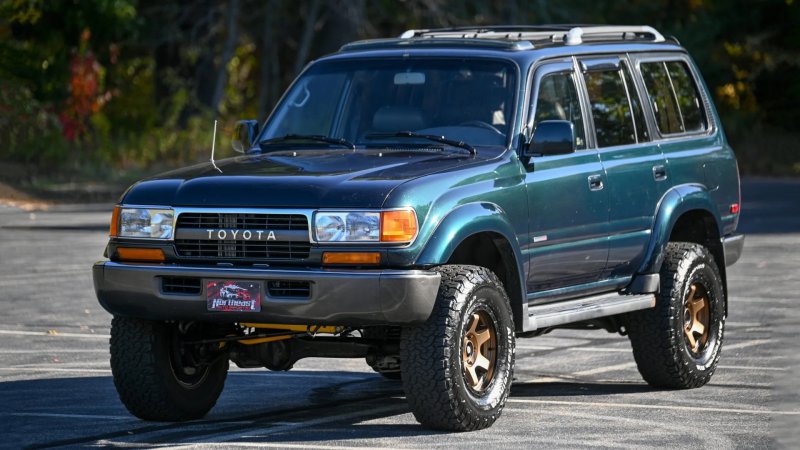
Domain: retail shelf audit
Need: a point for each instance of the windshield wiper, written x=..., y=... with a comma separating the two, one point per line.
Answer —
x=309, y=137
x=430, y=137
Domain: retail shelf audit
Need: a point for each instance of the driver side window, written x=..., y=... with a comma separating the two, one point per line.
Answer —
x=557, y=99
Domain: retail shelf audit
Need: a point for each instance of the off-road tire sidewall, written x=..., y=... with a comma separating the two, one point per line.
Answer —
x=486, y=299
x=708, y=356
x=144, y=378
x=659, y=344
x=432, y=368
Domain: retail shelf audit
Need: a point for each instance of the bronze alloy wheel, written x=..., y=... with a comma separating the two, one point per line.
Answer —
x=696, y=313
x=479, y=351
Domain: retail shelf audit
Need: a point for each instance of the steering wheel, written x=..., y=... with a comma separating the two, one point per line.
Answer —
x=481, y=124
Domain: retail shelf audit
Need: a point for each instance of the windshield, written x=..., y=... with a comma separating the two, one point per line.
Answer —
x=366, y=101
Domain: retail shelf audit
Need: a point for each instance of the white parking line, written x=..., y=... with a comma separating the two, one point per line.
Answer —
x=764, y=300
x=768, y=369
x=744, y=324
x=74, y=416
x=54, y=333
x=522, y=344
x=665, y=407
x=744, y=344
x=596, y=370
x=601, y=349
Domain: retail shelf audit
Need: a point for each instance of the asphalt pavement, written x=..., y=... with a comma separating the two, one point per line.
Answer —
x=572, y=389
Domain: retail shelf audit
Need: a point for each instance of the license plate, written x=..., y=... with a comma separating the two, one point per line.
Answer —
x=230, y=295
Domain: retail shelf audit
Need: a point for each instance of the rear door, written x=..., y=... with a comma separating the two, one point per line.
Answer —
x=683, y=123
x=567, y=202
x=634, y=166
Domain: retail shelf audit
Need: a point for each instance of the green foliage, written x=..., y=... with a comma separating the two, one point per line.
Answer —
x=28, y=131
x=156, y=67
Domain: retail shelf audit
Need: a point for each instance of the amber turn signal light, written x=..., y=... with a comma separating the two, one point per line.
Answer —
x=113, y=230
x=140, y=254
x=398, y=226
x=351, y=258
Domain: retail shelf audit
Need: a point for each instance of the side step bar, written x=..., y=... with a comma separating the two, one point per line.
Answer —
x=560, y=313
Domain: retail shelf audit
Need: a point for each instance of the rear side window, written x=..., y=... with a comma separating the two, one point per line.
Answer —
x=611, y=110
x=687, y=94
x=674, y=96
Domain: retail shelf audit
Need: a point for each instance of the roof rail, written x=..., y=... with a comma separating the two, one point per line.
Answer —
x=371, y=44
x=568, y=34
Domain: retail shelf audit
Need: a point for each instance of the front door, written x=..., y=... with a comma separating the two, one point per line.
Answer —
x=568, y=202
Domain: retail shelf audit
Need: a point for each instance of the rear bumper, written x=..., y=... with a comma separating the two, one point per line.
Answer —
x=337, y=297
x=733, y=246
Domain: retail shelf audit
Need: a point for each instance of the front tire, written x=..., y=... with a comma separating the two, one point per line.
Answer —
x=154, y=376
x=677, y=344
x=457, y=367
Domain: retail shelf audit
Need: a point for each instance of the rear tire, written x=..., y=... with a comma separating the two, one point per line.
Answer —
x=677, y=344
x=457, y=367
x=152, y=376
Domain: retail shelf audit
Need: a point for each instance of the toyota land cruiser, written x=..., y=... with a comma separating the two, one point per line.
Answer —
x=424, y=201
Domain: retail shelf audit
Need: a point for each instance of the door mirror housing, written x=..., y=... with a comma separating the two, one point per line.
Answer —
x=244, y=135
x=551, y=137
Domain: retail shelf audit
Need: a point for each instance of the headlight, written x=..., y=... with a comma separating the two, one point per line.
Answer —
x=348, y=226
x=396, y=226
x=144, y=223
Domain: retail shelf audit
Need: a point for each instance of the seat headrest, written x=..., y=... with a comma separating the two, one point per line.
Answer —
x=398, y=118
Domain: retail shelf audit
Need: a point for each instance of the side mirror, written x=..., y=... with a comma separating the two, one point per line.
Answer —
x=244, y=135
x=551, y=137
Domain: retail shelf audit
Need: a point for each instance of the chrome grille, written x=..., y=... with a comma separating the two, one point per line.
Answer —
x=241, y=249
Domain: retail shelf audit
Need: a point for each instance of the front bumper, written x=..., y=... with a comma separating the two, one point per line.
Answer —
x=337, y=297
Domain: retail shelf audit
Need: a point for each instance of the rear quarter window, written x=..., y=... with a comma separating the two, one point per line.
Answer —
x=674, y=96
x=688, y=97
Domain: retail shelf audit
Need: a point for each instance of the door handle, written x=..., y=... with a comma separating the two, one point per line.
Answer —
x=595, y=182
x=659, y=172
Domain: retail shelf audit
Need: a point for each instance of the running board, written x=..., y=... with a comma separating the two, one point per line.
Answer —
x=560, y=313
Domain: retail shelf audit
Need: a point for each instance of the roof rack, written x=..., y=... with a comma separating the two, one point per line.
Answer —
x=568, y=34
x=502, y=44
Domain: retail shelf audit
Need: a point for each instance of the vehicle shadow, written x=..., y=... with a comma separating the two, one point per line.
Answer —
x=577, y=389
x=53, y=412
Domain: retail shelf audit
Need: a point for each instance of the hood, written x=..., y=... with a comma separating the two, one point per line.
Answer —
x=295, y=179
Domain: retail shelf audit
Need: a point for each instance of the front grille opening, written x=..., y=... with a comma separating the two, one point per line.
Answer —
x=290, y=289
x=181, y=285
x=233, y=250
x=252, y=221
x=196, y=248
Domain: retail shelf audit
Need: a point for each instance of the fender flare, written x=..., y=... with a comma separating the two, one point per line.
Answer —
x=675, y=202
x=468, y=220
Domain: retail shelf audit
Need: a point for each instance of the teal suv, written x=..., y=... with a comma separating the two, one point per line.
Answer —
x=422, y=202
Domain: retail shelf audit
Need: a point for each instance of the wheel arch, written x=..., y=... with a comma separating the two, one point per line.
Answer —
x=480, y=234
x=686, y=213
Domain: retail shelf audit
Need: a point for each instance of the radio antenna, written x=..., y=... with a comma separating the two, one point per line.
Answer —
x=213, y=144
